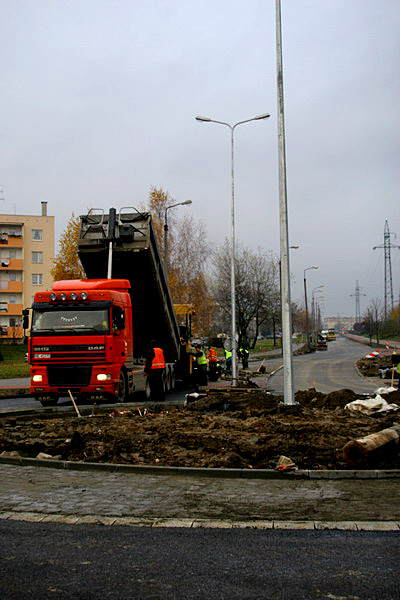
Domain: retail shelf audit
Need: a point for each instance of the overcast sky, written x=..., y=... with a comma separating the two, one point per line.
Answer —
x=98, y=103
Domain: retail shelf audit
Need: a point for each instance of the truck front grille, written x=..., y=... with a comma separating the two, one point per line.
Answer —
x=69, y=375
x=74, y=352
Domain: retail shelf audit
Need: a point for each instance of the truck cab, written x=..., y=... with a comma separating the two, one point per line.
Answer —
x=81, y=340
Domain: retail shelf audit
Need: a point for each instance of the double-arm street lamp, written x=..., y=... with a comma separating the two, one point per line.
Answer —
x=166, y=232
x=305, y=302
x=233, y=297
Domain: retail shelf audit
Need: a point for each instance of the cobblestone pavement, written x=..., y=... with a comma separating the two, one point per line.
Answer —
x=53, y=494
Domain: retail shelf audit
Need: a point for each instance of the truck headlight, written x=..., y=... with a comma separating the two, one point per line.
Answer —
x=37, y=378
x=103, y=377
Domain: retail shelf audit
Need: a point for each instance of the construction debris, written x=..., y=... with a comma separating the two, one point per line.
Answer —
x=372, y=406
x=240, y=429
x=285, y=464
x=357, y=452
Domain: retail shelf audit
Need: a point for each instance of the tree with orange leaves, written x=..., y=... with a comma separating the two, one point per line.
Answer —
x=187, y=256
x=66, y=264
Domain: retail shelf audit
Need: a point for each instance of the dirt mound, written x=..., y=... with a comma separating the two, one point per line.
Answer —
x=313, y=399
x=369, y=367
x=241, y=428
x=393, y=397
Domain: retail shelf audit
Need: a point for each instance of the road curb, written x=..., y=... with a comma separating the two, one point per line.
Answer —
x=200, y=471
x=106, y=520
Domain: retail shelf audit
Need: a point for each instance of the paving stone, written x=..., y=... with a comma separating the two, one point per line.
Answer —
x=377, y=526
x=70, y=519
x=133, y=521
x=27, y=516
x=293, y=525
x=29, y=489
x=173, y=523
x=253, y=524
x=6, y=515
x=345, y=525
x=215, y=523
x=96, y=520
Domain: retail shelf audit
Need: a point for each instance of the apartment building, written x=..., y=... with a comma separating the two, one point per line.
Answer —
x=339, y=322
x=26, y=255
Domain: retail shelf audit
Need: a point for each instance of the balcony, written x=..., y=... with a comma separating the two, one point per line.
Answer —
x=14, y=240
x=11, y=264
x=11, y=286
x=13, y=310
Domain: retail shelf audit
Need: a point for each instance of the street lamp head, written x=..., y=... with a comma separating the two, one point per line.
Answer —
x=308, y=269
x=294, y=247
x=265, y=116
x=186, y=202
x=203, y=119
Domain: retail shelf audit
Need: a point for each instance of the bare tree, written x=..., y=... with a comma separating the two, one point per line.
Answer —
x=256, y=277
x=187, y=271
x=187, y=257
x=373, y=319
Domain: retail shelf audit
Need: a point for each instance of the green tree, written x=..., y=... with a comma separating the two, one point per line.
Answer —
x=67, y=265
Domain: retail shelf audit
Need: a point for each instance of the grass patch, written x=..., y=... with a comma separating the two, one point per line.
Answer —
x=265, y=345
x=13, y=363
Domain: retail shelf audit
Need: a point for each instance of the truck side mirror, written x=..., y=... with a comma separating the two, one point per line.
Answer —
x=25, y=319
x=118, y=317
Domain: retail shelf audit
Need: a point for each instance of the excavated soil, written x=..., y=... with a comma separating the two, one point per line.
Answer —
x=235, y=428
x=370, y=367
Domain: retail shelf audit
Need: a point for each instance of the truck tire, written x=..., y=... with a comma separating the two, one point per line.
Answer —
x=147, y=390
x=172, y=387
x=122, y=388
x=49, y=402
x=167, y=381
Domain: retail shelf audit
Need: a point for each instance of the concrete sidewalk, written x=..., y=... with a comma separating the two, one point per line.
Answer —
x=48, y=494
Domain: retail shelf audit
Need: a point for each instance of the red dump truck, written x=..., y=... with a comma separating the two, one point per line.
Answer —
x=90, y=337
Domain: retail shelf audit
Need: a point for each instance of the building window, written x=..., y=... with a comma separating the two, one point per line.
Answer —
x=12, y=299
x=37, y=257
x=12, y=276
x=37, y=279
x=12, y=253
x=37, y=235
x=13, y=322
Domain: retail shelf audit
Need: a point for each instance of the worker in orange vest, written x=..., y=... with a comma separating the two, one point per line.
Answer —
x=155, y=371
x=212, y=355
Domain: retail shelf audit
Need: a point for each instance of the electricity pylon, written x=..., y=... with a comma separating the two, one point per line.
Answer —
x=388, y=304
x=357, y=294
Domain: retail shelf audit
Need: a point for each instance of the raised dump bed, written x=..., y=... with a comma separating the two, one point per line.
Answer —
x=130, y=236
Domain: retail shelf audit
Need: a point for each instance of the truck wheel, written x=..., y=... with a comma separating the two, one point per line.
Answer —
x=147, y=391
x=122, y=388
x=52, y=402
x=167, y=381
x=172, y=387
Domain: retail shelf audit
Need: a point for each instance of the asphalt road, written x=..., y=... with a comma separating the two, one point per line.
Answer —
x=327, y=371
x=41, y=561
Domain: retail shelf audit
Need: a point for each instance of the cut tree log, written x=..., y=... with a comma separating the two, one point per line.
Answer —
x=357, y=451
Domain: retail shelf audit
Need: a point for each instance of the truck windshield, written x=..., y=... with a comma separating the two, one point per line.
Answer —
x=92, y=321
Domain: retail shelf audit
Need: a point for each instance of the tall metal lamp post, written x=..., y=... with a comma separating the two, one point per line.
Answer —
x=305, y=302
x=166, y=231
x=233, y=297
x=316, y=289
